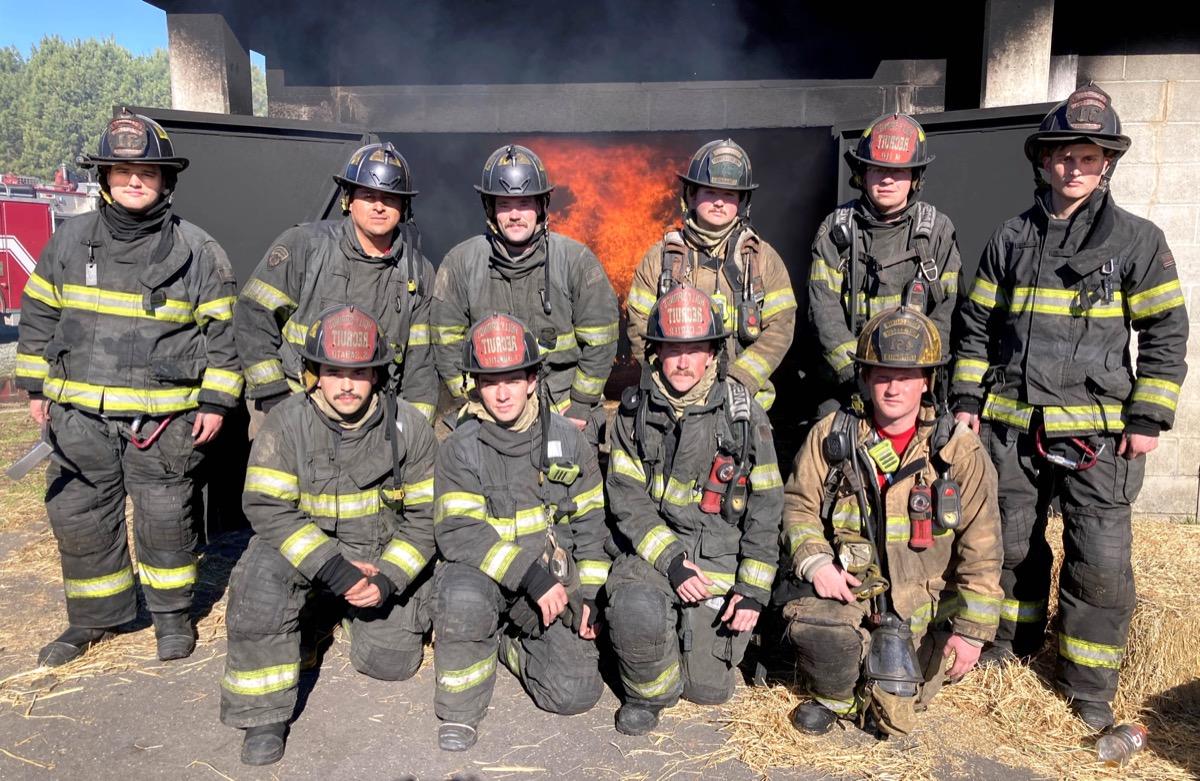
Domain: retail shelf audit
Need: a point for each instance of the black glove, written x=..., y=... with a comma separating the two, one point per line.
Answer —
x=748, y=603
x=338, y=575
x=385, y=585
x=577, y=606
x=677, y=573
x=268, y=402
x=578, y=411
x=536, y=581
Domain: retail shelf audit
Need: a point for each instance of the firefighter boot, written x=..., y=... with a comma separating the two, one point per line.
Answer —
x=1095, y=713
x=813, y=718
x=997, y=653
x=70, y=645
x=634, y=719
x=173, y=630
x=263, y=745
x=453, y=736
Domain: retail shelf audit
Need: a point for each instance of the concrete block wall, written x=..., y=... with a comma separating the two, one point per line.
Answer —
x=1158, y=98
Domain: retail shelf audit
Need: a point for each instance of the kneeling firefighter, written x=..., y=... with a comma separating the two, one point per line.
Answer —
x=892, y=533
x=519, y=520
x=694, y=485
x=339, y=491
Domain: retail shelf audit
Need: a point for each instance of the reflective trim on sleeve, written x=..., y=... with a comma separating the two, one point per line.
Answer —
x=498, y=559
x=778, y=301
x=969, y=370
x=303, y=542
x=756, y=573
x=222, y=381
x=1156, y=300
x=425, y=409
x=273, y=483
x=593, y=573
x=531, y=520
x=39, y=289
x=624, y=464
x=562, y=343
x=597, y=335
x=587, y=385
x=404, y=556
x=841, y=356
x=797, y=534
x=979, y=608
x=640, y=299
x=985, y=293
x=722, y=582
x=217, y=309
x=764, y=477
x=765, y=397
x=449, y=334
x=418, y=335
x=589, y=500
x=33, y=366
x=264, y=680
x=295, y=332
x=99, y=587
x=1162, y=393
x=655, y=542
x=459, y=503
x=418, y=493
x=266, y=296
x=265, y=372
x=754, y=365
x=822, y=272
x=1007, y=411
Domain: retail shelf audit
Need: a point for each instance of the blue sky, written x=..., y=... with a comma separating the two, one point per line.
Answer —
x=138, y=26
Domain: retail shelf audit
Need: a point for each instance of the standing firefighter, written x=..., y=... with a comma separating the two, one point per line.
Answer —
x=340, y=494
x=553, y=283
x=1043, y=358
x=717, y=251
x=893, y=535
x=872, y=252
x=370, y=258
x=696, y=491
x=128, y=355
x=520, y=522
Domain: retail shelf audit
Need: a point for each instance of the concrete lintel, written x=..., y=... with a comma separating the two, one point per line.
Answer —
x=1016, y=52
x=210, y=69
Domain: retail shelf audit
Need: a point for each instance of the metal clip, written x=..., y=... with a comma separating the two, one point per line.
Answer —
x=1106, y=283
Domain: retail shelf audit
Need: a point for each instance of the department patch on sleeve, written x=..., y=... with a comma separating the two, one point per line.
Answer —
x=822, y=231
x=594, y=275
x=1167, y=259
x=277, y=255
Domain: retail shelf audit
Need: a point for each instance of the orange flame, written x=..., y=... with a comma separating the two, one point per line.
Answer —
x=618, y=197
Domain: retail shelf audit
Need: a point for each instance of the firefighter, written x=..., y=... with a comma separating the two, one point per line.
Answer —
x=519, y=520
x=339, y=492
x=695, y=488
x=871, y=250
x=1043, y=359
x=127, y=352
x=370, y=258
x=718, y=251
x=893, y=470
x=552, y=283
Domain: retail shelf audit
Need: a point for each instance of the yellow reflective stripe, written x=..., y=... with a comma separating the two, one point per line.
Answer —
x=899, y=528
x=264, y=680
x=418, y=493
x=654, y=542
x=118, y=399
x=969, y=370
x=676, y=492
x=167, y=578
x=840, y=707
x=302, y=542
x=640, y=299
x=949, y=280
x=217, y=309
x=462, y=503
x=531, y=520
x=979, y=608
x=31, y=366
x=878, y=304
x=418, y=335
x=1156, y=300
x=459, y=385
x=758, y=368
x=984, y=293
x=586, y=384
x=765, y=397
x=404, y=556
x=821, y=271
x=796, y=535
x=222, y=381
x=264, y=372
x=562, y=343
x=1106, y=417
x=272, y=298
x=589, y=500
x=358, y=504
x=596, y=335
x=765, y=477
x=294, y=332
x=662, y=685
x=721, y=582
x=449, y=334
x=39, y=289
x=1022, y=612
x=1008, y=411
x=1164, y=393
x=425, y=409
x=1090, y=654
x=624, y=464
x=846, y=516
x=841, y=356
x=114, y=302
x=461, y=680
x=593, y=573
x=777, y=301
x=498, y=559
x=756, y=573
x=272, y=482
x=1066, y=303
x=98, y=588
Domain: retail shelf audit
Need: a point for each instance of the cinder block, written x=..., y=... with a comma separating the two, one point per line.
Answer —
x=1135, y=183
x=829, y=106
x=764, y=107
x=1163, y=495
x=684, y=108
x=1172, y=67
x=461, y=111
x=612, y=109
x=1145, y=137
x=1178, y=222
x=1138, y=101
x=1179, y=142
x=1101, y=68
x=1187, y=415
x=929, y=100
x=1164, y=461
x=1177, y=183
x=550, y=110
x=1183, y=100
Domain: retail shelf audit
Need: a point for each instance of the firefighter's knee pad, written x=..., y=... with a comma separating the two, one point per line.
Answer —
x=713, y=687
x=830, y=644
x=1097, y=566
x=262, y=601
x=84, y=519
x=578, y=693
x=385, y=664
x=638, y=621
x=166, y=516
x=466, y=607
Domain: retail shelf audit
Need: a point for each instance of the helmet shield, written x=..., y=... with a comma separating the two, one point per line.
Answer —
x=1085, y=117
x=891, y=141
x=346, y=337
x=900, y=338
x=684, y=314
x=134, y=138
x=514, y=171
x=720, y=164
x=499, y=344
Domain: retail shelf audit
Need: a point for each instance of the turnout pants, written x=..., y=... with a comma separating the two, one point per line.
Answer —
x=666, y=649
x=96, y=465
x=262, y=667
x=558, y=668
x=1096, y=591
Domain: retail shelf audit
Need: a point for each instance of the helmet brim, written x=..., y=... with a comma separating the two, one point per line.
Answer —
x=530, y=364
x=692, y=340
x=349, y=184
x=532, y=194
x=384, y=360
x=733, y=188
x=885, y=365
x=852, y=158
x=1112, y=142
x=95, y=161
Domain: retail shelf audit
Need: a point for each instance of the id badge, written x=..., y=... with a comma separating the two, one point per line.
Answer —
x=90, y=276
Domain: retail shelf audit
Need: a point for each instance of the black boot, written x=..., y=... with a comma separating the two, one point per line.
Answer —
x=813, y=718
x=453, y=736
x=264, y=745
x=997, y=654
x=176, y=640
x=70, y=645
x=633, y=719
x=1096, y=714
